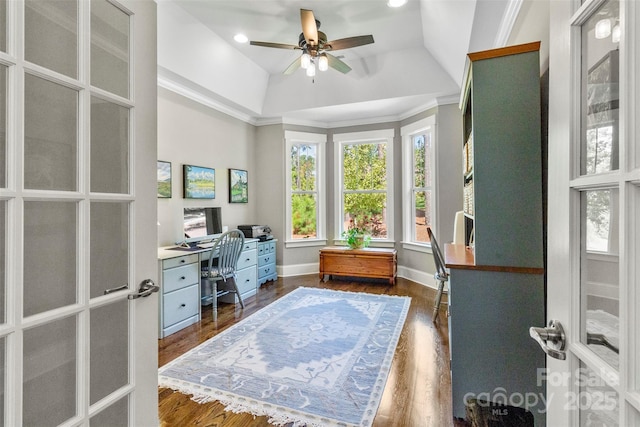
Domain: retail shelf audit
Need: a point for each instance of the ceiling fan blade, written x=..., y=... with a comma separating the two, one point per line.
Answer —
x=349, y=42
x=309, y=27
x=276, y=45
x=293, y=67
x=337, y=64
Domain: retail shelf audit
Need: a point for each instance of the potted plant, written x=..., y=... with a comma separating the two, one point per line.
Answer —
x=356, y=237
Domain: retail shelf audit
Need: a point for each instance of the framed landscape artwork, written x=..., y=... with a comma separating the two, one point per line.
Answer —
x=238, y=186
x=199, y=182
x=164, y=180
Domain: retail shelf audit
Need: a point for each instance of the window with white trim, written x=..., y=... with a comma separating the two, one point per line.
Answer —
x=305, y=184
x=364, y=196
x=418, y=180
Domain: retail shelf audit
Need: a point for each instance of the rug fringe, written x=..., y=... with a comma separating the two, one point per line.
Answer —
x=276, y=416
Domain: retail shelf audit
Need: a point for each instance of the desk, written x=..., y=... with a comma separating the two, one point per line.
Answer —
x=491, y=308
x=180, y=292
x=366, y=262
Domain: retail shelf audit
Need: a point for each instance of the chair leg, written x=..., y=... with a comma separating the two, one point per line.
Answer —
x=235, y=286
x=214, y=304
x=436, y=306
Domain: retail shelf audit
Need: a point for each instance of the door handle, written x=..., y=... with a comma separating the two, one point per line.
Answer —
x=551, y=339
x=112, y=290
x=147, y=287
x=601, y=339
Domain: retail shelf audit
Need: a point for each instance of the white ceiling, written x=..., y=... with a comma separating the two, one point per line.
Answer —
x=417, y=60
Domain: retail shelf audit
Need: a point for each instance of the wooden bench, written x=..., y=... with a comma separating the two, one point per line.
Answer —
x=368, y=262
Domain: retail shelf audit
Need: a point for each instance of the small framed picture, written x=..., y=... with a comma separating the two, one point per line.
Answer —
x=199, y=182
x=238, y=186
x=164, y=180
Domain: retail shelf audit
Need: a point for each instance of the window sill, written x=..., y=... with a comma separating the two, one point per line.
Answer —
x=305, y=243
x=417, y=247
x=372, y=244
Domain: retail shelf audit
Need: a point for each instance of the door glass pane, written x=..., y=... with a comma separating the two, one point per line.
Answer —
x=3, y=349
x=109, y=147
x=3, y=260
x=3, y=126
x=598, y=403
x=115, y=415
x=109, y=48
x=600, y=95
x=51, y=135
x=109, y=246
x=109, y=349
x=49, y=373
x=51, y=35
x=3, y=26
x=599, y=278
x=49, y=255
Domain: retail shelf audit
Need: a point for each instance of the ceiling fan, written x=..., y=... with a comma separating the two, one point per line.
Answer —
x=316, y=48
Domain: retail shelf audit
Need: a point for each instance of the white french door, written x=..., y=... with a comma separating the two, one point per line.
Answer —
x=77, y=212
x=594, y=212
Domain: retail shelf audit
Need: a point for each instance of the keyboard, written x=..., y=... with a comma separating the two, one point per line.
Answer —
x=208, y=245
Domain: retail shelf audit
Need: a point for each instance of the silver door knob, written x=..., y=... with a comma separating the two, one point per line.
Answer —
x=551, y=339
x=147, y=287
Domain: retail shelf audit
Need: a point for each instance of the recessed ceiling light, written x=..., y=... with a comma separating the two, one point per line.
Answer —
x=240, y=38
x=396, y=3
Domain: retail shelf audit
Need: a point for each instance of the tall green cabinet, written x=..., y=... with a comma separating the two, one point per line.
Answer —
x=497, y=277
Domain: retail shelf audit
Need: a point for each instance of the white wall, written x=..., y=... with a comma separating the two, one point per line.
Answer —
x=190, y=133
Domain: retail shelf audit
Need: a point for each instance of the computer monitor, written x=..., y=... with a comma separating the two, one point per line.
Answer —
x=202, y=223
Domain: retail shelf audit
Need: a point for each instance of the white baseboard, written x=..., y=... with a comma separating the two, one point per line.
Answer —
x=421, y=277
x=298, y=269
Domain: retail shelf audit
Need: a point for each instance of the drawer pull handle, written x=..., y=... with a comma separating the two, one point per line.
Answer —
x=119, y=288
x=182, y=277
x=247, y=281
x=182, y=261
x=183, y=305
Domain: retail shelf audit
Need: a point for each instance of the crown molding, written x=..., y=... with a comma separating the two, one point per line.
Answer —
x=173, y=83
x=507, y=23
x=199, y=96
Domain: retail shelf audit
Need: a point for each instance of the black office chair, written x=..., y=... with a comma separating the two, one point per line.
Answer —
x=223, y=262
x=441, y=274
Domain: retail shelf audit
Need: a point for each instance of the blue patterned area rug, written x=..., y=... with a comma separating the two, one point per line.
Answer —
x=315, y=357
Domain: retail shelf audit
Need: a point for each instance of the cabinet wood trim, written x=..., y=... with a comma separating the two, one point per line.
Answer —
x=504, y=51
x=463, y=258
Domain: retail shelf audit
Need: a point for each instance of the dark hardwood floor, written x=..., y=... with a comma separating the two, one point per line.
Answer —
x=418, y=389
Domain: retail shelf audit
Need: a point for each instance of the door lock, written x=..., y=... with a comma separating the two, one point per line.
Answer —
x=551, y=339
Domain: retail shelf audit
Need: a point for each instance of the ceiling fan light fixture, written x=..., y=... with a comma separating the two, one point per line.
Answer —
x=615, y=34
x=323, y=62
x=311, y=70
x=603, y=28
x=305, y=61
x=396, y=3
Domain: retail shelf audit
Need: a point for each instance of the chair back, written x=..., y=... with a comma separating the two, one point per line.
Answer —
x=438, y=258
x=226, y=250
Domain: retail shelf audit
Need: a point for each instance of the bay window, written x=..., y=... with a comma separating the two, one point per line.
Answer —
x=364, y=196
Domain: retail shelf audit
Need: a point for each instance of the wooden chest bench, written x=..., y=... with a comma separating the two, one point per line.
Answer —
x=367, y=262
